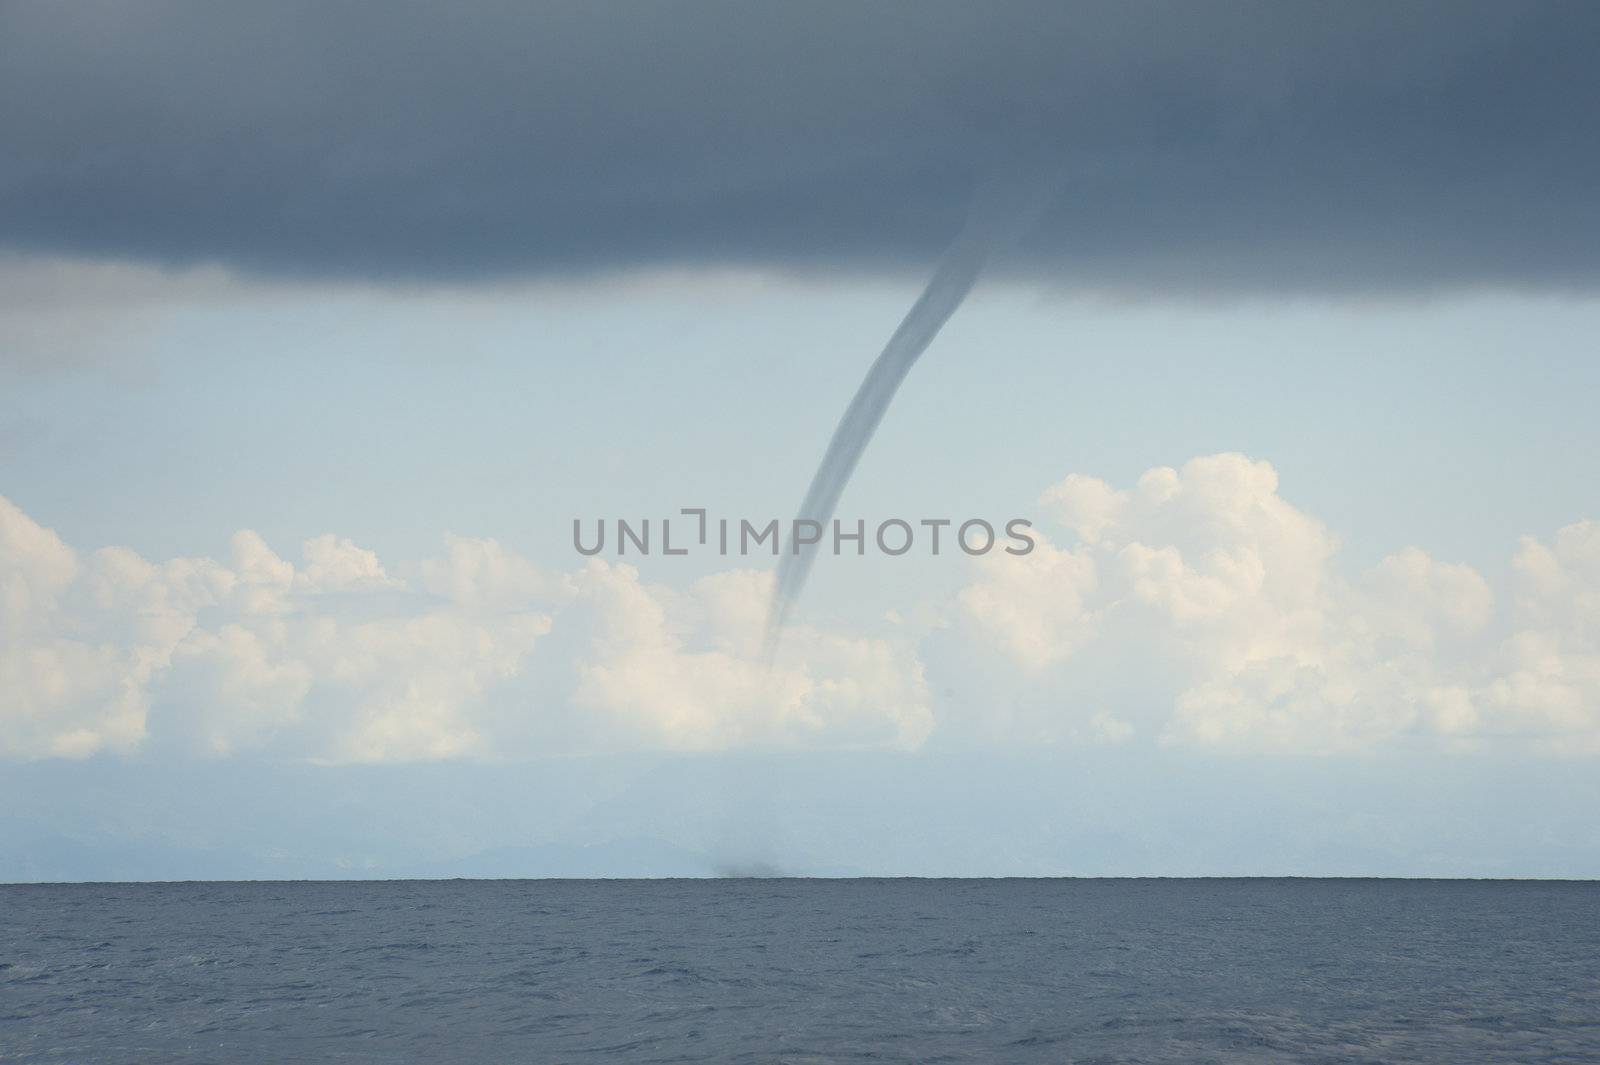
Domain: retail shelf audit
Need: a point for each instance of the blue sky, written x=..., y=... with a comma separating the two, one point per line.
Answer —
x=394, y=419
x=494, y=407
x=311, y=354
x=508, y=413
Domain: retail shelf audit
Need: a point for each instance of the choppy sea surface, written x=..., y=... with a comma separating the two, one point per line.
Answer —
x=802, y=971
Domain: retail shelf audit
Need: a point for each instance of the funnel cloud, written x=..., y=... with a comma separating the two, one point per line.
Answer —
x=999, y=215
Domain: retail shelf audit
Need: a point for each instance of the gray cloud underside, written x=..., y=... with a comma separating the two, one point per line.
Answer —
x=1238, y=146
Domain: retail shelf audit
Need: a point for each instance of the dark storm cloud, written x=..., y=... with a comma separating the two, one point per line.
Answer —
x=1270, y=145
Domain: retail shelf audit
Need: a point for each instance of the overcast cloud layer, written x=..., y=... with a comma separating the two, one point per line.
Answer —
x=1239, y=146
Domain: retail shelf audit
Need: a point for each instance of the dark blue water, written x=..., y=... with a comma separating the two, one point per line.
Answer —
x=802, y=971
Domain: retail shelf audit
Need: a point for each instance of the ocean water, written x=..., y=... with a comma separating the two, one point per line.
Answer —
x=802, y=971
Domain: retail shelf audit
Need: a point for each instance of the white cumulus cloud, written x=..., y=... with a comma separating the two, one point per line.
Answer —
x=333, y=658
x=1209, y=610
x=1197, y=607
